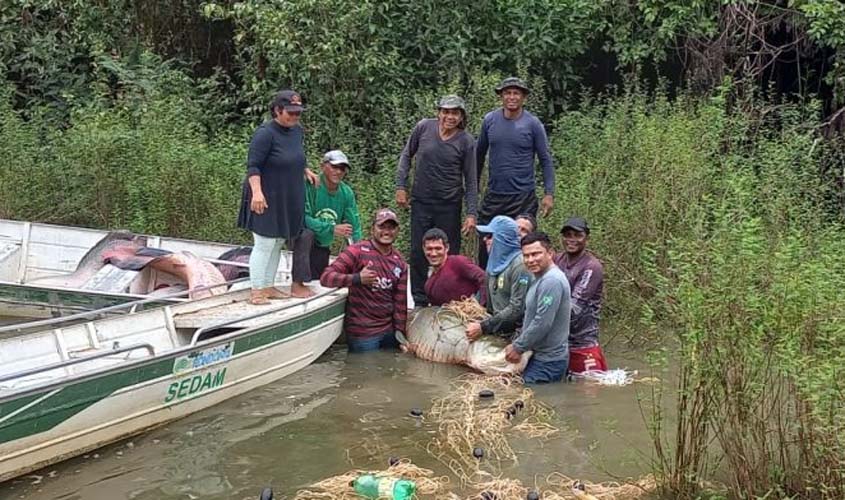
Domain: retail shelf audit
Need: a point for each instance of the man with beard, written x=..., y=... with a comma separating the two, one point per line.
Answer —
x=376, y=276
x=513, y=137
x=443, y=154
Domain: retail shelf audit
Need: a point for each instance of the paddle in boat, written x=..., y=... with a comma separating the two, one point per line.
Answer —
x=67, y=390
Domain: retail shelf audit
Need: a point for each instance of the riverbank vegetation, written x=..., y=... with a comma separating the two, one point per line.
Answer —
x=702, y=140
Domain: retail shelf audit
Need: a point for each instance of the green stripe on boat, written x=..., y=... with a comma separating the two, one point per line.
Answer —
x=76, y=397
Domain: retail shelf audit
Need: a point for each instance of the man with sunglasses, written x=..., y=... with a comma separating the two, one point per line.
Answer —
x=330, y=213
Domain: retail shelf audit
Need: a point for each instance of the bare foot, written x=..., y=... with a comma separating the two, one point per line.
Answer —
x=301, y=291
x=258, y=298
x=274, y=293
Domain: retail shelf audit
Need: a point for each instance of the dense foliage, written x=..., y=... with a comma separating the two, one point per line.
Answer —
x=717, y=199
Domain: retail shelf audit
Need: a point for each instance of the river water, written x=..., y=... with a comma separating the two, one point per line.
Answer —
x=342, y=412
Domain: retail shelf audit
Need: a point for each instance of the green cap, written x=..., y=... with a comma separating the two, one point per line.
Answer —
x=512, y=82
x=452, y=102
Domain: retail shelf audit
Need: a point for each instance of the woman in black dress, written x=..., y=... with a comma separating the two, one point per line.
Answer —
x=273, y=200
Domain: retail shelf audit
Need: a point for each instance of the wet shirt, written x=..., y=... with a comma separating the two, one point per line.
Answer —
x=506, y=298
x=513, y=145
x=586, y=280
x=378, y=308
x=324, y=210
x=545, y=328
x=458, y=278
x=445, y=170
x=277, y=154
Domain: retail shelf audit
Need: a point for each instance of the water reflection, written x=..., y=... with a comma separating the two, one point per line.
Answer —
x=341, y=412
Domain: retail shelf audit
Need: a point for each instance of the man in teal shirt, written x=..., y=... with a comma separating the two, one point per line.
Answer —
x=330, y=212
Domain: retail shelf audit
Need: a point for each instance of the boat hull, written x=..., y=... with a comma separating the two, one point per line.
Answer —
x=44, y=426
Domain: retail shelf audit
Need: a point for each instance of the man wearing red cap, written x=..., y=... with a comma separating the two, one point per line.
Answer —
x=377, y=276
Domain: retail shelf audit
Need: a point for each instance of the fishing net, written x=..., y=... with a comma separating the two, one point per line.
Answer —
x=469, y=425
x=467, y=310
x=557, y=486
x=471, y=440
x=339, y=488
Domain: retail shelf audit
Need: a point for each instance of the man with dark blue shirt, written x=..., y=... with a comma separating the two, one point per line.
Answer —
x=513, y=137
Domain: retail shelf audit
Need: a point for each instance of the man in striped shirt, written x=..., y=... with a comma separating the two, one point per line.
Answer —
x=377, y=276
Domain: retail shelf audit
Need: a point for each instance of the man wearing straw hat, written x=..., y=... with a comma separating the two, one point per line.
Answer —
x=513, y=137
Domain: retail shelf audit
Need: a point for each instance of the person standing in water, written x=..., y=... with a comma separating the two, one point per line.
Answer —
x=443, y=154
x=453, y=277
x=585, y=273
x=376, y=275
x=527, y=224
x=273, y=197
x=507, y=281
x=545, y=327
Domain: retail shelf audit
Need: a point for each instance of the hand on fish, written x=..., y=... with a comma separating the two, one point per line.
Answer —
x=474, y=331
x=512, y=355
x=258, y=204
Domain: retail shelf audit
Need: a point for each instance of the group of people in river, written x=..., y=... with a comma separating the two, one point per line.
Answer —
x=541, y=301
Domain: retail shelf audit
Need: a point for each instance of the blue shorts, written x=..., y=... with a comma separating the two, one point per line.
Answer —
x=543, y=372
x=374, y=343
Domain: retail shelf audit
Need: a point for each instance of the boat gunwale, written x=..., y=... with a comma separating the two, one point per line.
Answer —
x=57, y=288
x=142, y=362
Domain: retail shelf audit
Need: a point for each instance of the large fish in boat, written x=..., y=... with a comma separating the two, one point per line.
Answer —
x=200, y=275
x=128, y=252
x=437, y=334
x=114, y=243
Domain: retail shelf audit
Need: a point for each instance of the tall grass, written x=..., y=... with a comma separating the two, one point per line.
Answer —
x=717, y=227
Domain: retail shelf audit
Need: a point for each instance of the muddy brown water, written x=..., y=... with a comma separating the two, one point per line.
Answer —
x=342, y=412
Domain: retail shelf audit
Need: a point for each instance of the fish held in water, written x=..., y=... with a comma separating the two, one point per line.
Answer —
x=438, y=334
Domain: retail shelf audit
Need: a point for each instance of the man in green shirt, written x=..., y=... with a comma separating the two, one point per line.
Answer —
x=330, y=212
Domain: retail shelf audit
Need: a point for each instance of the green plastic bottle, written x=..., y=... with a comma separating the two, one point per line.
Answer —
x=388, y=488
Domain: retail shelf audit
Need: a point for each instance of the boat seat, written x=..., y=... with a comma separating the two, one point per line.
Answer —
x=110, y=279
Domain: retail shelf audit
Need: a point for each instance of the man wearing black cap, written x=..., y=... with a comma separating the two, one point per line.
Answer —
x=444, y=157
x=586, y=276
x=513, y=136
